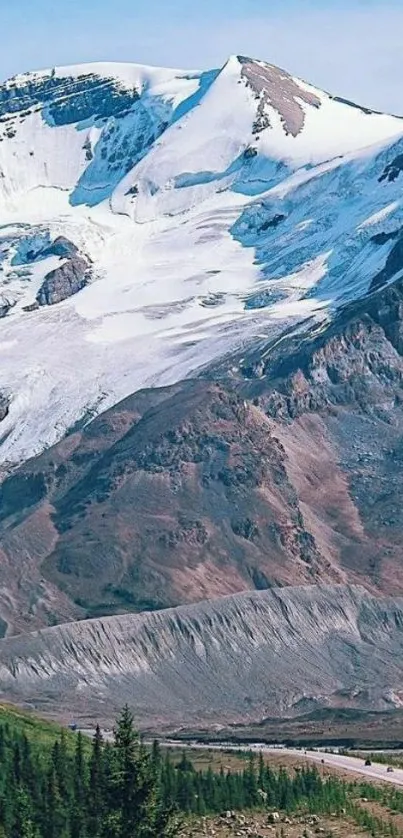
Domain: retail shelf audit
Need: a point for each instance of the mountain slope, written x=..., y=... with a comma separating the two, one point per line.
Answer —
x=279, y=467
x=239, y=659
x=151, y=506
x=199, y=211
x=236, y=236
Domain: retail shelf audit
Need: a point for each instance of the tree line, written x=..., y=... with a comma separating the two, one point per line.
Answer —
x=95, y=790
x=123, y=789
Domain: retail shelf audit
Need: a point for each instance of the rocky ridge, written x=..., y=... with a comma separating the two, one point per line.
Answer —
x=300, y=648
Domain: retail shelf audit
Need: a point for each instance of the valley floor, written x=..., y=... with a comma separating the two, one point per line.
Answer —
x=256, y=826
x=345, y=728
x=366, y=816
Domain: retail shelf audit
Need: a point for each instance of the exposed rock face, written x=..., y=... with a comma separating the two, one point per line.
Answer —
x=67, y=99
x=185, y=494
x=393, y=169
x=237, y=659
x=5, y=306
x=277, y=88
x=356, y=362
x=4, y=406
x=64, y=281
x=61, y=247
x=394, y=262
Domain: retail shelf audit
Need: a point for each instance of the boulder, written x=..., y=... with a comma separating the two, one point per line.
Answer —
x=273, y=817
x=64, y=281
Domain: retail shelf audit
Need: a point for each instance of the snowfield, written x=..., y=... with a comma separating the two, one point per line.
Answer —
x=214, y=208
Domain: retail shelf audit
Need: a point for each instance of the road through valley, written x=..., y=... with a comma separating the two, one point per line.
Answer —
x=355, y=765
x=375, y=771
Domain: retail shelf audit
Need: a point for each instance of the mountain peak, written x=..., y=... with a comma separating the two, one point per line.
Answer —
x=167, y=186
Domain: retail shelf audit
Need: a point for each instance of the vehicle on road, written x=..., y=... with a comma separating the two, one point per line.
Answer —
x=389, y=769
x=368, y=762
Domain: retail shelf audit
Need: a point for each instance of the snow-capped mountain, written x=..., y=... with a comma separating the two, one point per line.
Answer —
x=153, y=220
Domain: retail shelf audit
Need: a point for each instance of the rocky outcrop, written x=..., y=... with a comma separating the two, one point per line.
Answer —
x=62, y=247
x=4, y=406
x=65, y=99
x=240, y=658
x=355, y=362
x=64, y=281
x=5, y=306
x=394, y=262
x=279, y=90
x=392, y=170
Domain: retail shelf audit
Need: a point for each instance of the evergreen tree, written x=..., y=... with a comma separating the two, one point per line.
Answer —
x=75, y=789
x=17, y=762
x=261, y=774
x=168, y=781
x=250, y=784
x=24, y=825
x=3, y=749
x=61, y=766
x=96, y=787
x=156, y=758
x=185, y=794
x=78, y=814
x=135, y=805
x=55, y=823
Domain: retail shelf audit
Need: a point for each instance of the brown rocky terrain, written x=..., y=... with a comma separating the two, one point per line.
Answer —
x=283, y=470
x=280, y=90
x=259, y=825
x=173, y=496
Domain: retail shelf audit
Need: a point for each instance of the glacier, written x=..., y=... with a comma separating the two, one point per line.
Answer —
x=216, y=208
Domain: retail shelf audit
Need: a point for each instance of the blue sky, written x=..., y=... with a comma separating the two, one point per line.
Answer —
x=353, y=49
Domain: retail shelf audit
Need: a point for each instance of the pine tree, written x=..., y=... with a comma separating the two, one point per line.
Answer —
x=250, y=784
x=17, y=762
x=185, y=792
x=261, y=775
x=2, y=744
x=185, y=764
x=156, y=758
x=60, y=760
x=270, y=786
x=135, y=807
x=55, y=823
x=78, y=810
x=96, y=786
x=168, y=781
x=24, y=825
